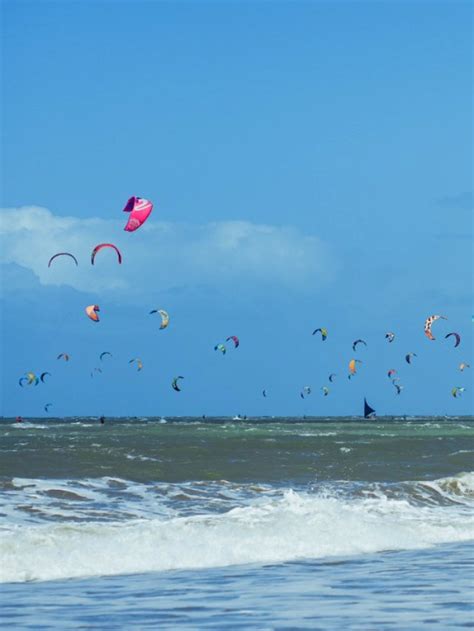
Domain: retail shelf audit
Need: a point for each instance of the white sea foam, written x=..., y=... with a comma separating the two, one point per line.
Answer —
x=279, y=528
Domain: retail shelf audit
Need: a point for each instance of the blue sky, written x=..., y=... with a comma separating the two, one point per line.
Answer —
x=310, y=165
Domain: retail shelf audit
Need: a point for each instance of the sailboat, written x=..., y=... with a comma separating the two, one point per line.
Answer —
x=368, y=411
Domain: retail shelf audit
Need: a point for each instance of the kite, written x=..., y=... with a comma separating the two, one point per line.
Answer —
x=323, y=331
x=325, y=390
x=408, y=357
x=47, y=406
x=463, y=365
x=221, y=348
x=457, y=337
x=354, y=345
x=306, y=391
x=91, y=311
x=99, y=247
x=429, y=322
x=31, y=377
x=165, y=319
x=391, y=372
x=352, y=366
x=139, y=209
x=64, y=356
x=43, y=375
x=139, y=363
x=264, y=393
x=390, y=336
x=102, y=355
x=399, y=388
x=457, y=391
x=331, y=376
x=235, y=339
x=62, y=254
x=174, y=383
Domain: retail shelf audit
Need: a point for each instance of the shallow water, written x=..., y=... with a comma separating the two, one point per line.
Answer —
x=264, y=523
x=429, y=589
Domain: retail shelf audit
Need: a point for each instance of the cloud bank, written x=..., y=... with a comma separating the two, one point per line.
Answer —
x=163, y=255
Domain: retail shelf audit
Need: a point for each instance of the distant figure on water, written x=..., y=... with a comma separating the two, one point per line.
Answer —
x=19, y=419
x=102, y=420
x=369, y=412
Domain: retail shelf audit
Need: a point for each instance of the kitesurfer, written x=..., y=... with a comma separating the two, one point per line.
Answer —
x=102, y=420
x=19, y=419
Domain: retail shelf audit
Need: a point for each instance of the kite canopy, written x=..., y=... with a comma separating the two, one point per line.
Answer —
x=390, y=336
x=91, y=311
x=408, y=357
x=99, y=247
x=31, y=377
x=354, y=345
x=391, y=372
x=64, y=356
x=221, y=348
x=139, y=209
x=102, y=355
x=174, y=383
x=457, y=337
x=62, y=254
x=235, y=339
x=331, y=376
x=165, y=319
x=43, y=376
x=305, y=391
x=368, y=411
x=323, y=331
x=138, y=361
x=429, y=322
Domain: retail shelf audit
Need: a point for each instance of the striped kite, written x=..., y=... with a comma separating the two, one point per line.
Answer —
x=428, y=324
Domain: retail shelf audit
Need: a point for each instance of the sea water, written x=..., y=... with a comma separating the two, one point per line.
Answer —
x=257, y=523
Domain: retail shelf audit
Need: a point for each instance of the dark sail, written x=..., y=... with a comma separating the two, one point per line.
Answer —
x=368, y=411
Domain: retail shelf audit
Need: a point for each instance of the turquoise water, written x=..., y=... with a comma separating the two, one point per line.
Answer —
x=214, y=523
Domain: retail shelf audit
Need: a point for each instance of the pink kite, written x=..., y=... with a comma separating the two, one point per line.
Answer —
x=139, y=210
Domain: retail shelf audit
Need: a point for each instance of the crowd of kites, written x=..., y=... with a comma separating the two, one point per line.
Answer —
x=140, y=209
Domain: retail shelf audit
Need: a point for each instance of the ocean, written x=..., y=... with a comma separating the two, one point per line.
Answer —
x=259, y=523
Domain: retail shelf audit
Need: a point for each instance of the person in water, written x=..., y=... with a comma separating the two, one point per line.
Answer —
x=102, y=420
x=19, y=419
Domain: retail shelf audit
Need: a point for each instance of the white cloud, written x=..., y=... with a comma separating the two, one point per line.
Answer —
x=162, y=255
